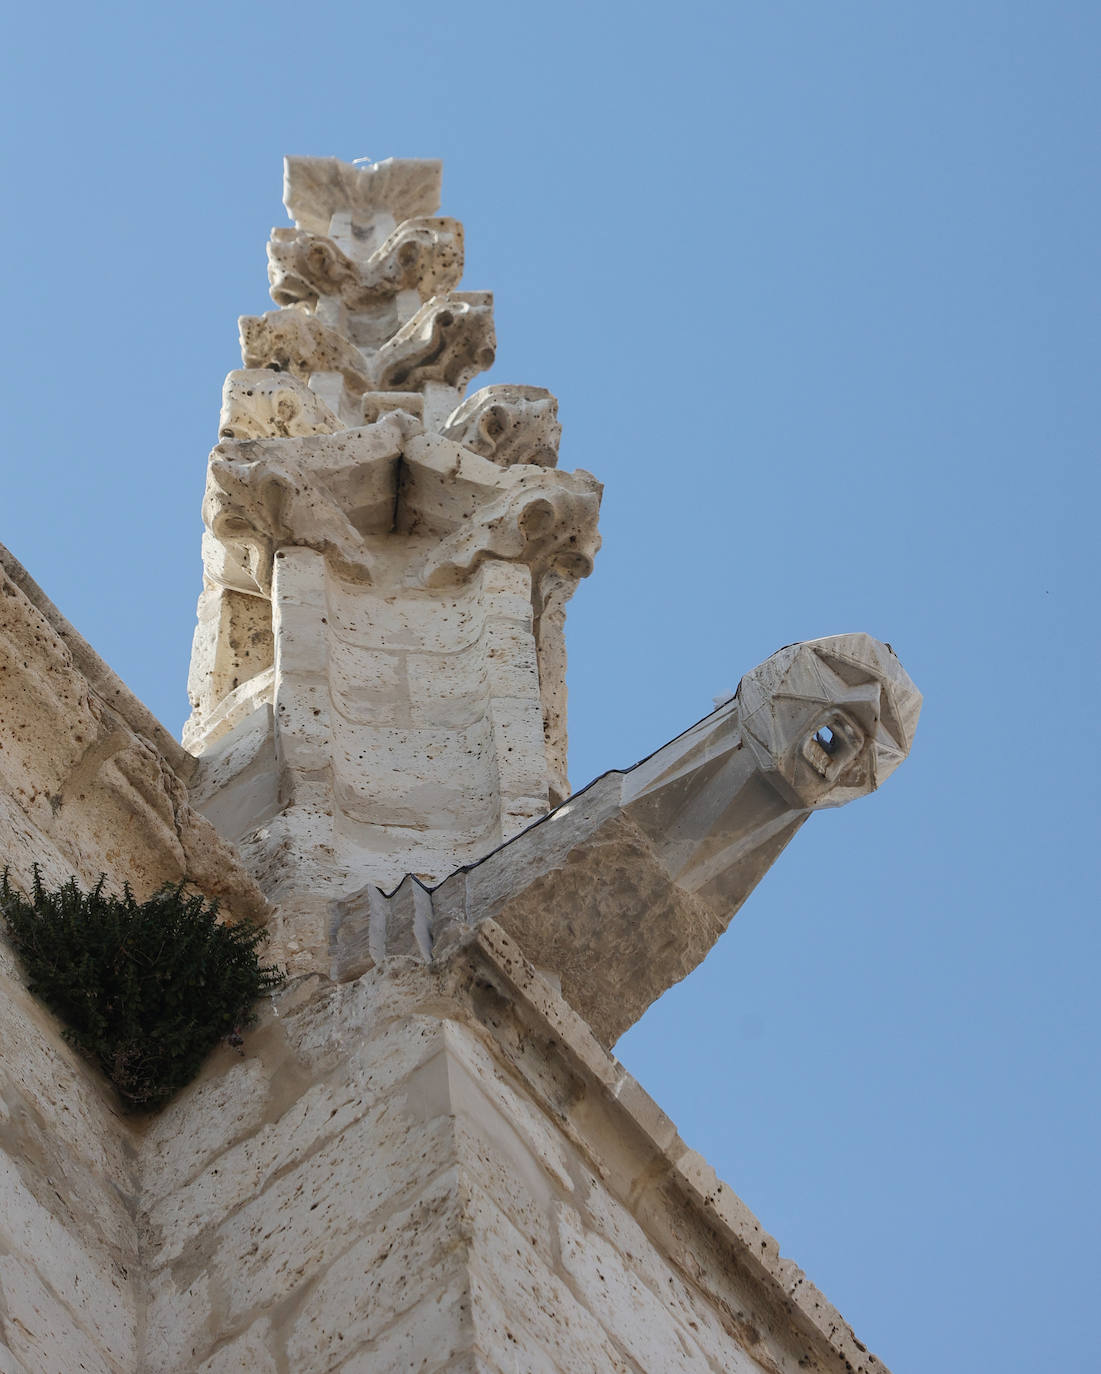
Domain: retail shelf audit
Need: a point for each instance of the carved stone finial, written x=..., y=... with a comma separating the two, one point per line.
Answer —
x=386, y=565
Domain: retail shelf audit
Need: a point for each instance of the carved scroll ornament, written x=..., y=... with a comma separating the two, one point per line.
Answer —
x=316, y=188
x=508, y=424
x=330, y=492
x=422, y=255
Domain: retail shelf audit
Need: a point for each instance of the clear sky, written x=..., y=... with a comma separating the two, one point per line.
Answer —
x=817, y=285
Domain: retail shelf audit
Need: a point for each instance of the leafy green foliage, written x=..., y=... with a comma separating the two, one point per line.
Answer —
x=146, y=989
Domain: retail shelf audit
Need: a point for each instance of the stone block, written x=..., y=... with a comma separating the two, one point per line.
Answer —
x=237, y=1176
x=491, y=1103
x=179, y=1324
x=41, y=1332
x=369, y=685
x=200, y=1123
x=645, y=1261
x=504, y=1339
x=405, y=1259
x=556, y=1321
x=518, y=745
x=248, y=1354
x=442, y=622
x=307, y=1217
x=429, y=1338
x=637, y=1317
x=95, y=1286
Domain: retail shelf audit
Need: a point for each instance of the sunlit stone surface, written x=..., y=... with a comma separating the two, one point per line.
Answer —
x=425, y=1157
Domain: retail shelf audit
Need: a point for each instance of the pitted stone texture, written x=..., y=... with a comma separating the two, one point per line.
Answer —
x=232, y=662
x=68, y=1243
x=95, y=795
x=422, y=255
x=449, y=340
x=332, y=444
x=293, y=341
x=258, y=403
x=508, y=424
x=430, y=1168
x=423, y=708
x=327, y=492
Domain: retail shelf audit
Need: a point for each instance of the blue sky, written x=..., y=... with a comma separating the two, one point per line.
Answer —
x=817, y=287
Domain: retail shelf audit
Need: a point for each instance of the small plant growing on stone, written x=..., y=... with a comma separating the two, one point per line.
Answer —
x=146, y=989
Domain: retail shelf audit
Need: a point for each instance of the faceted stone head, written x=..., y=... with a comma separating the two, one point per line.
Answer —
x=828, y=720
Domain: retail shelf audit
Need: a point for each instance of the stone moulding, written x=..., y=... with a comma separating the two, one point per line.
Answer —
x=672, y=1168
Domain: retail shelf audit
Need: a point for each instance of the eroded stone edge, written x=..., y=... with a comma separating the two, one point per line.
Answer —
x=782, y=1282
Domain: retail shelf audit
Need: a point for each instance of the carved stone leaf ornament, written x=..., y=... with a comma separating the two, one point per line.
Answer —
x=422, y=255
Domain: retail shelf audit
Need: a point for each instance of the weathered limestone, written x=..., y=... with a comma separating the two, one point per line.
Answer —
x=90, y=783
x=426, y=1157
x=622, y=891
x=508, y=424
x=378, y=671
x=436, y=1166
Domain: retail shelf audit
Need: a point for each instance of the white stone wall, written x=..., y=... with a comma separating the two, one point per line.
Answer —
x=408, y=1173
x=410, y=1206
x=69, y=1270
x=433, y=1166
x=424, y=1169
x=302, y=1204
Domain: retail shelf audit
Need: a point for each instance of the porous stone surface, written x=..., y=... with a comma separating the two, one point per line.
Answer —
x=434, y=1165
x=437, y=1167
x=623, y=890
x=70, y=1294
x=90, y=783
x=378, y=672
x=425, y=1158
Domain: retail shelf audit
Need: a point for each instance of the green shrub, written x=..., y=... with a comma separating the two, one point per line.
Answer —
x=146, y=989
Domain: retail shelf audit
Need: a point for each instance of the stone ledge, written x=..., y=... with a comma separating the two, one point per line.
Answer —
x=782, y=1283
